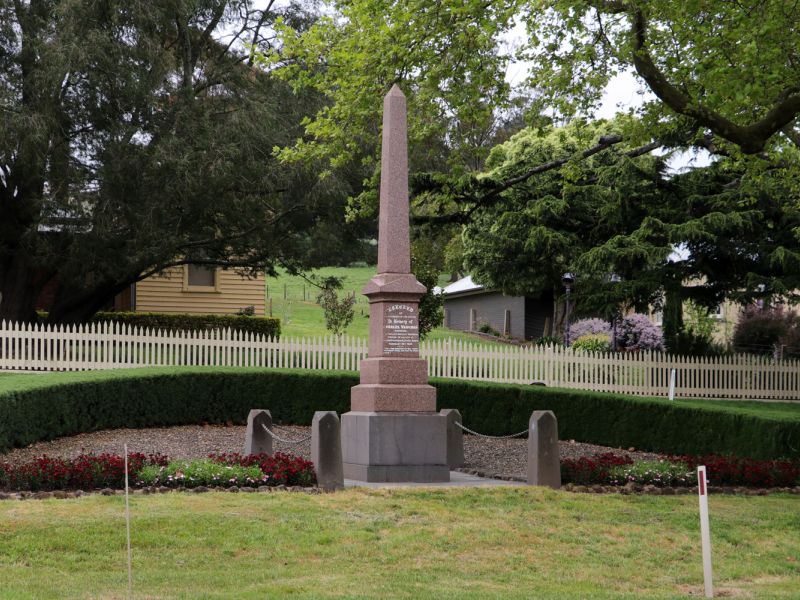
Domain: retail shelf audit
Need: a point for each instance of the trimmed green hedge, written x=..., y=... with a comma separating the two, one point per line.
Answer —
x=748, y=429
x=40, y=407
x=268, y=326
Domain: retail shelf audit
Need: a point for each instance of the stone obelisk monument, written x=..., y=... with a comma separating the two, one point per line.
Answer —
x=392, y=432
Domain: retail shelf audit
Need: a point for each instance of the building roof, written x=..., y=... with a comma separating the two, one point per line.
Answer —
x=462, y=285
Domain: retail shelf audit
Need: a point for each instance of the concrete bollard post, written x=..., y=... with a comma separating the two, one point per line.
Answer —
x=455, y=438
x=256, y=440
x=326, y=450
x=544, y=467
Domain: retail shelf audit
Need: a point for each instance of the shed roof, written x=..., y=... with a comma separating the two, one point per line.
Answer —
x=462, y=285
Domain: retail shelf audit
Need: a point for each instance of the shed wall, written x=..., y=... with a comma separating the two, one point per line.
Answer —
x=490, y=308
x=164, y=293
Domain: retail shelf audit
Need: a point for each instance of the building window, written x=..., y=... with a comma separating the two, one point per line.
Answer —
x=447, y=317
x=200, y=278
x=473, y=319
x=507, y=323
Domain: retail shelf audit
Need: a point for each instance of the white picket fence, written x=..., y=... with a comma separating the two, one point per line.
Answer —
x=114, y=346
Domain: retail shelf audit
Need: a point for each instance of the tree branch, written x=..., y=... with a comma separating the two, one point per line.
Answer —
x=204, y=37
x=493, y=195
x=605, y=142
x=750, y=138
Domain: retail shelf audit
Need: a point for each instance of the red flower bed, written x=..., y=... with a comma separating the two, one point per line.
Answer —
x=732, y=470
x=720, y=470
x=90, y=471
x=87, y=471
x=590, y=470
x=281, y=469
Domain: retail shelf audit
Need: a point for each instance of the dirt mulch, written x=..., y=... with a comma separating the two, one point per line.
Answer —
x=506, y=457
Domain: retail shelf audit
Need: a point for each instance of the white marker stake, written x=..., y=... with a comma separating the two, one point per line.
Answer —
x=128, y=526
x=705, y=533
x=672, y=385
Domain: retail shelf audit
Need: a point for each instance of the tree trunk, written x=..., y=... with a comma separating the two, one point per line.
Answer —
x=672, y=323
x=20, y=286
x=78, y=307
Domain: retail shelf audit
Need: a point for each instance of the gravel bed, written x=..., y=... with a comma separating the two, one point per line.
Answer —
x=498, y=456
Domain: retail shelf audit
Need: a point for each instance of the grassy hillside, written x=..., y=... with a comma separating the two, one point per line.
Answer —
x=294, y=302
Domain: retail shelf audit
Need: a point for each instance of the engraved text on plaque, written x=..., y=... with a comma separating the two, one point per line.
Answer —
x=401, y=329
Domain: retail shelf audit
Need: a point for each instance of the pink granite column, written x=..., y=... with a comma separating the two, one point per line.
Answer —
x=392, y=432
x=394, y=378
x=394, y=250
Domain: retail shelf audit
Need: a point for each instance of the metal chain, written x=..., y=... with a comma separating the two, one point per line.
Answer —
x=275, y=436
x=492, y=437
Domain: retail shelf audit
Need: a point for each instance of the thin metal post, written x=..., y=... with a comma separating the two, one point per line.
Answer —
x=672, y=384
x=128, y=527
x=705, y=532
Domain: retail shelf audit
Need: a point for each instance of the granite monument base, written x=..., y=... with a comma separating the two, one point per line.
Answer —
x=395, y=447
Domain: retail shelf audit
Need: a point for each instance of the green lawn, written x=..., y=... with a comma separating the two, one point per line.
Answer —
x=293, y=301
x=458, y=543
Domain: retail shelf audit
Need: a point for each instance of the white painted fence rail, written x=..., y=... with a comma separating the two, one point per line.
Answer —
x=114, y=346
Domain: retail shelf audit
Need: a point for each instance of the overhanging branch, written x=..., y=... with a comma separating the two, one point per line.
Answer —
x=750, y=138
x=494, y=194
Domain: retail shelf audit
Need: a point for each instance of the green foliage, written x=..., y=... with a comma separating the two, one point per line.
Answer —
x=338, y=313
x=697, y=336
x=699, y=320
x=444, y=55
x=267, y=326
x=719, y=71
x=41, y=407
x=199, y=472
x=547, y=340
x=687, y=343
x=616, y=213
x=724, y=81
x=431, y=306
x=577, y=217
x=718, y=66
x=623, y=421
x=593, y=343
x=488, y=329
x=138, y=135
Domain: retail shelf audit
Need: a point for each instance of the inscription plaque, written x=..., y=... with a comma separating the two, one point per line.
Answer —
x=401, y=329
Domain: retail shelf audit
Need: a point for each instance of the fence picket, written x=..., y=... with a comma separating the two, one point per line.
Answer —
x=46, y=347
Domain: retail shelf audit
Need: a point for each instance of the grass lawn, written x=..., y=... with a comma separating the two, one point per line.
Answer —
x=458, y=543
x=301, y=317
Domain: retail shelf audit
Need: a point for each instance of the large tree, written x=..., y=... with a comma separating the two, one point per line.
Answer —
x=725, y=70
x=724, y=74
x=616, y=210
x=136, y=136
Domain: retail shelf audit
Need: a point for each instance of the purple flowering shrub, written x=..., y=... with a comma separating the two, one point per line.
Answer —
x=636, y=332
x=588, y=327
